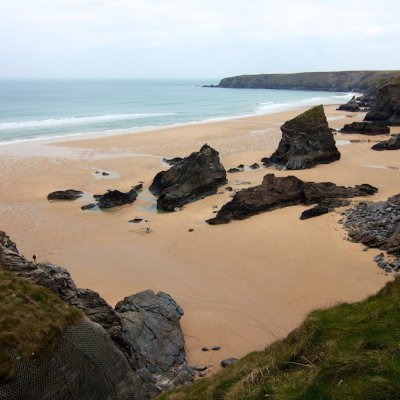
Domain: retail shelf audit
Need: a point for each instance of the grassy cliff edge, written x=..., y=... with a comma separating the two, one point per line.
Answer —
x=32, y=320
x=341, y=81
x=351, y=351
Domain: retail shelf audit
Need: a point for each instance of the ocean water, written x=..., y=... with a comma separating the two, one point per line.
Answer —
x=42, y=108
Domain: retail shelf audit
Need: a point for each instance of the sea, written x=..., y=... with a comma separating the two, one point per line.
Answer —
x=36, y=109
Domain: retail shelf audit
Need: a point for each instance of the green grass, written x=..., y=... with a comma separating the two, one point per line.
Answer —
x=348, y=352
x=32, y=320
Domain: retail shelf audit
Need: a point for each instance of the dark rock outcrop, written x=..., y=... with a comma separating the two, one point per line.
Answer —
x=306, y=141
x=69, y=194
x=195, y=177
x=387, y=106
x=366, y=128
x=151, y=325
x=391, y=144
x=162, y=344
x=275, y=192
x=376, y=224
x=114, y=198
x=352, y=105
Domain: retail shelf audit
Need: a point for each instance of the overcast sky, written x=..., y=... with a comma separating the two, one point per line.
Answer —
x=195, y=38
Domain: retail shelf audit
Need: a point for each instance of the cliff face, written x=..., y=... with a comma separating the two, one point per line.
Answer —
x=387, y=106
x=142, y=341
x=342, y=81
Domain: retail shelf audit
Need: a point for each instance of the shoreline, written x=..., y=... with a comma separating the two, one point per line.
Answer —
x=275, y=108
x=238, y=284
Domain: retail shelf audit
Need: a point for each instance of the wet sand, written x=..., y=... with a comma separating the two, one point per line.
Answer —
x=241, y=285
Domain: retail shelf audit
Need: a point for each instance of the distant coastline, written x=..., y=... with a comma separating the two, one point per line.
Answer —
x=342, y=81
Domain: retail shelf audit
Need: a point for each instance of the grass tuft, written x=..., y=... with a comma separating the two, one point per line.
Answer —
x=32, y=320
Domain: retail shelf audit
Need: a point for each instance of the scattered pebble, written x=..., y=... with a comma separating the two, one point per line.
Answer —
x=215, y=348
x=136, y=220
x=190, y=230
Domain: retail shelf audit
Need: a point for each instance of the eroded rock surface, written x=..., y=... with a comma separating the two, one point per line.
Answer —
x=306, y=141
x=195, y=177
x=278, y=192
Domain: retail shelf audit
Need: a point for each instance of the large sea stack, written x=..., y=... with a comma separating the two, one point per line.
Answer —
x=306, y=141
x=387, y=107
x=194, y=177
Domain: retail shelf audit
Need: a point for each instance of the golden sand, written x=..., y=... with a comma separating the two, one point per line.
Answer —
x=241, y=285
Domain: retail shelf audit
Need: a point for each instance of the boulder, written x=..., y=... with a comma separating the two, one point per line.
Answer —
x=114, y=198
x=278, y=192
x=229, y=361
x=151, y=323
x=195, y=177
x=391, y=144
x=306, y=141
x=366, y=128
x=69, y=194
x=352, y=105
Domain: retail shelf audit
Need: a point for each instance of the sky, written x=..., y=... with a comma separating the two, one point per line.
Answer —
x=195, y=38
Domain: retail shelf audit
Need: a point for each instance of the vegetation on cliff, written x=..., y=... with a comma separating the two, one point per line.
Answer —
x=32, y=320
x=341, y=81
x=350, y=351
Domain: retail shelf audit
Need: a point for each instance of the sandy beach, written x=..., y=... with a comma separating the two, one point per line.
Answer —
x=241, y=285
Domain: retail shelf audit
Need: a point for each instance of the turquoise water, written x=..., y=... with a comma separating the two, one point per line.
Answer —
x=40, y=108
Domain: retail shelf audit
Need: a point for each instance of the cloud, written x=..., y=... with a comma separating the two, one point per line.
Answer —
x=195, y=37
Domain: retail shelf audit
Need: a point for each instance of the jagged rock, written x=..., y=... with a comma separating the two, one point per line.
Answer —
x=366, y=128
x=254, y=166
x=6, y=242
x=114, y=198
x=391, y=144
x=195, y=177
x=306, y=141
x=277, y=192
x=387, y=106
x=352, y=105
x=173, y=161
x=69, y=194
x=152, y=328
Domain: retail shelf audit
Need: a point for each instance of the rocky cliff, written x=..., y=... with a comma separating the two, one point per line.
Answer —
x=340, y=81
x=387, y=105
x=143, y=332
